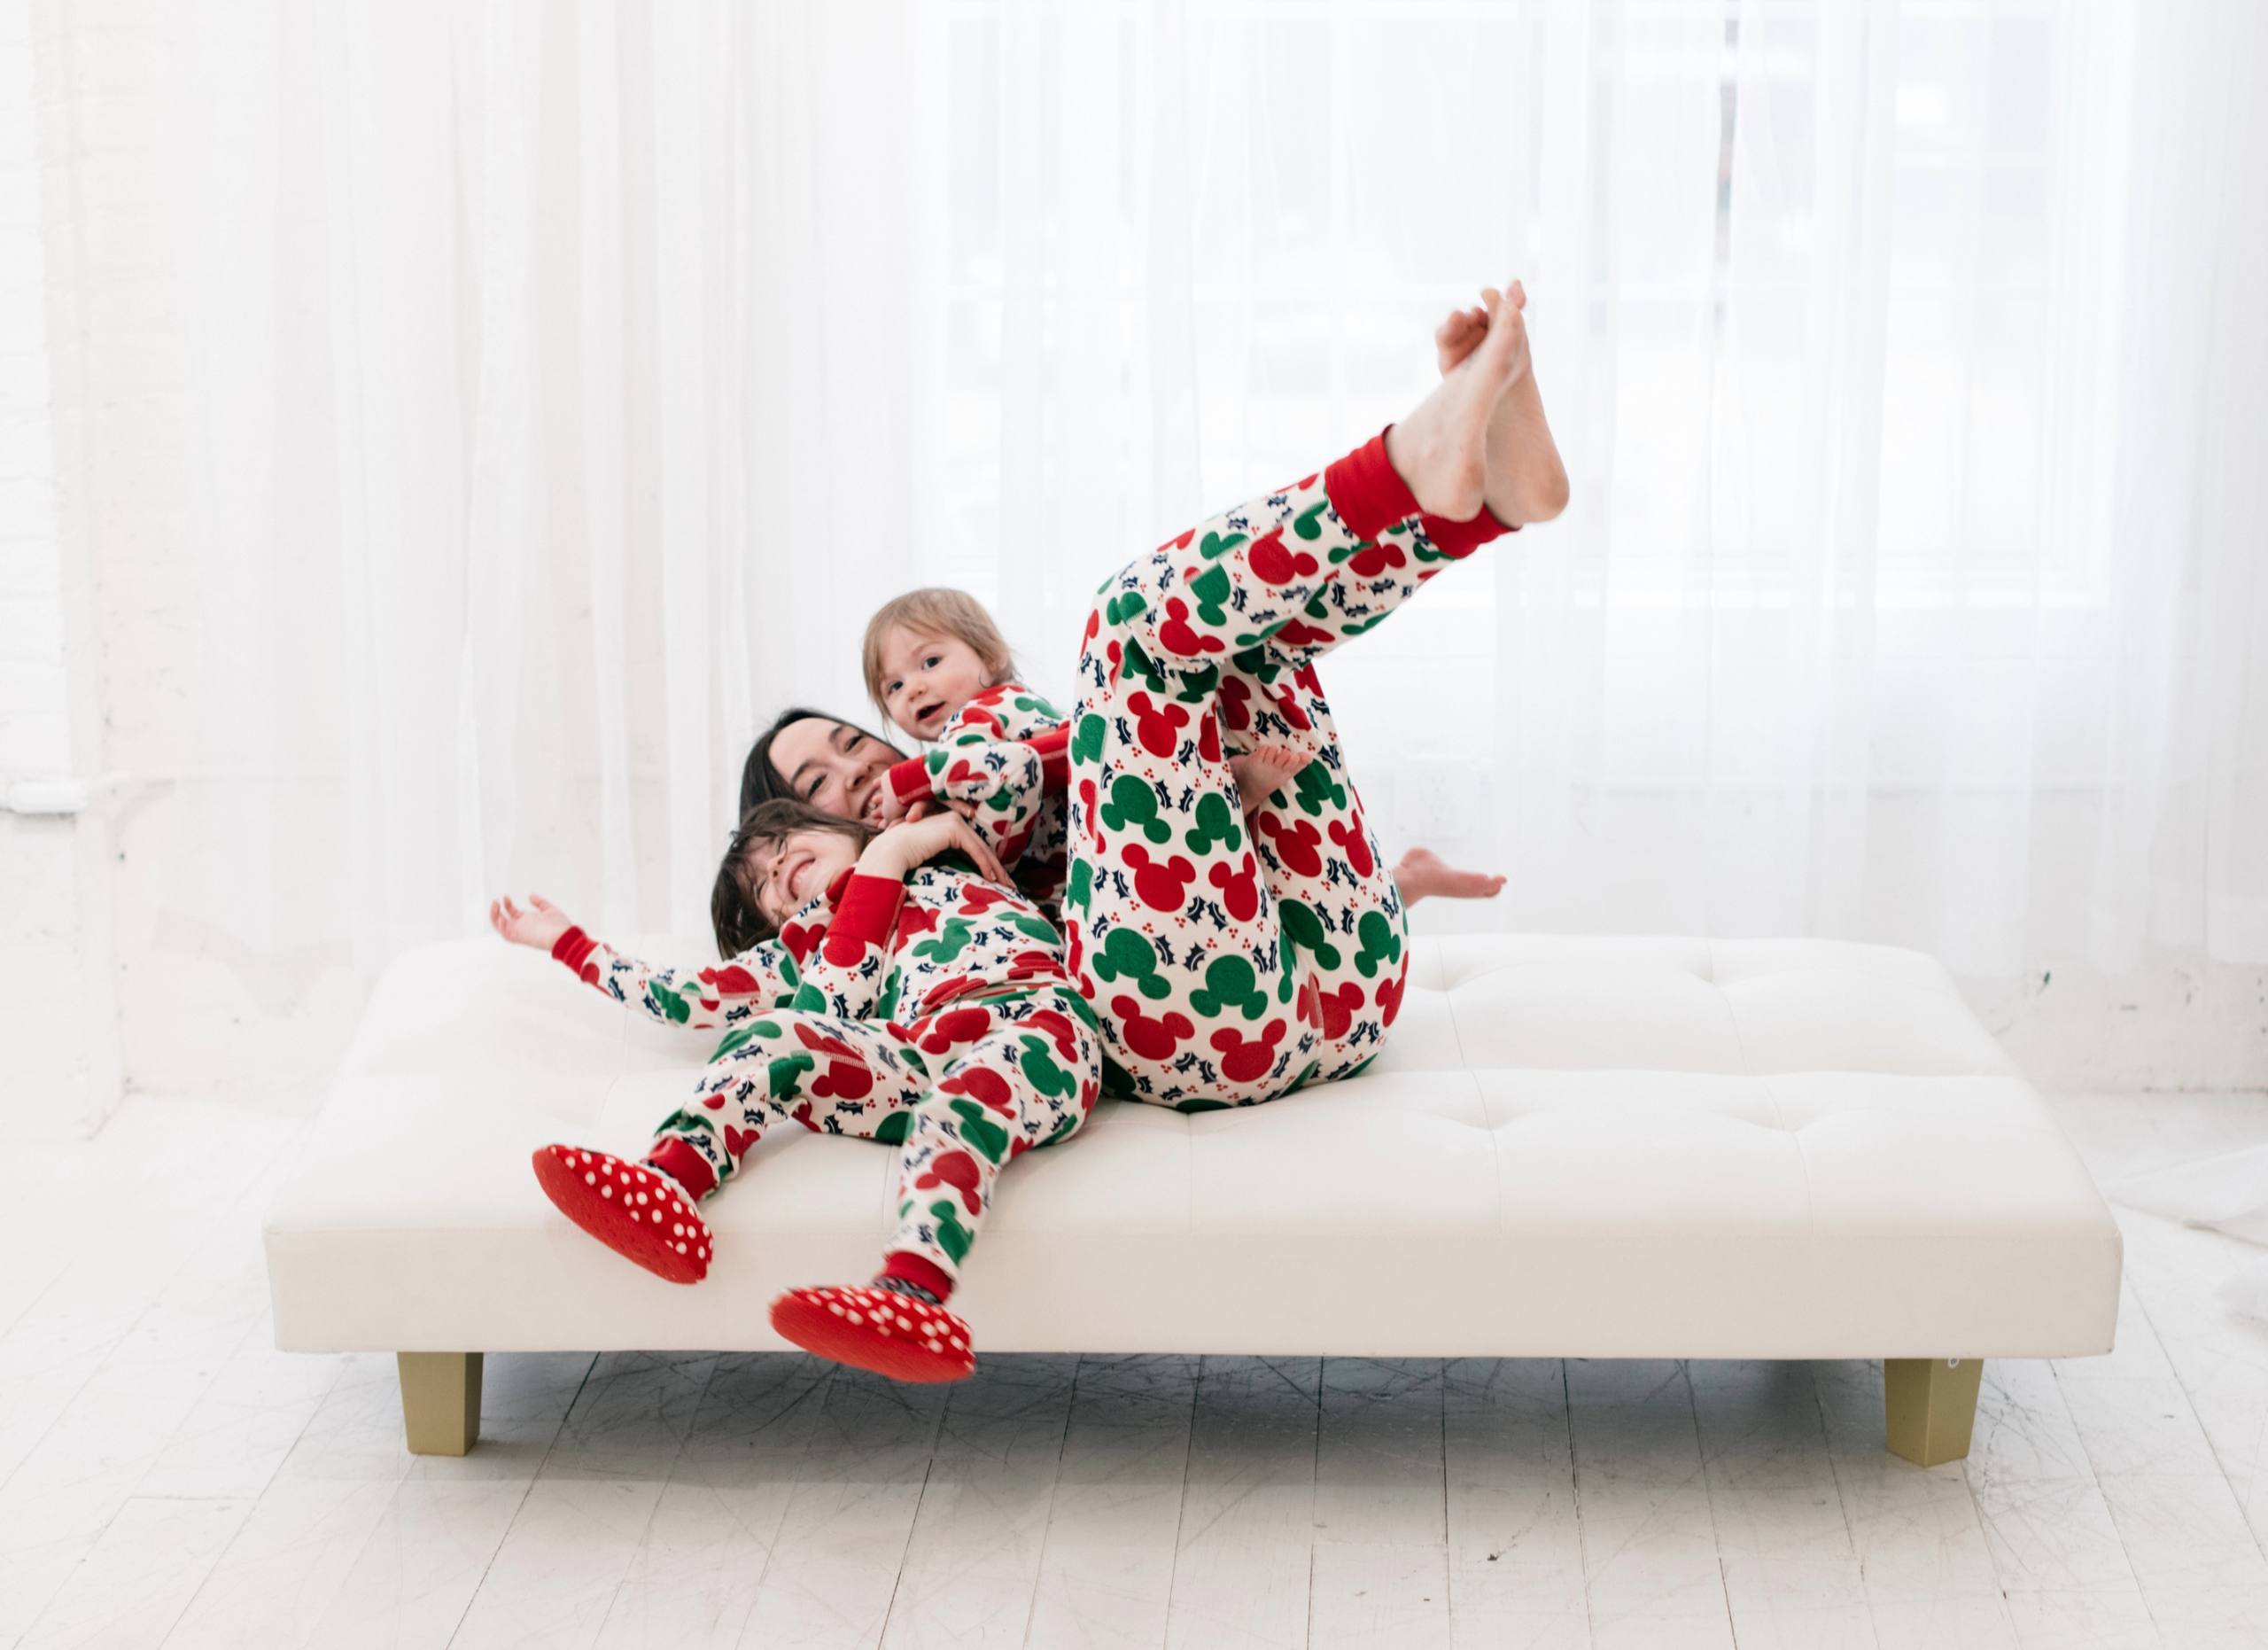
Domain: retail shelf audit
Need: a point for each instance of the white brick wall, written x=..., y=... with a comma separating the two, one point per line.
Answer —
x=88, y=157
x=34, y=732
x=59, y=1023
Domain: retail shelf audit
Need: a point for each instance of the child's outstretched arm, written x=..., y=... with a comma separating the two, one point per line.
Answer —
x=762, y=977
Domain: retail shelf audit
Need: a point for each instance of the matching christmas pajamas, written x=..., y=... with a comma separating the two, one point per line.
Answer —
x=1231, y=963
x=935, y=1015
x=1006, y=754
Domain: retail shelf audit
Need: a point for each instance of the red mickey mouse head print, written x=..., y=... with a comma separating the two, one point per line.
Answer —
x=1239, y=889
x=1157, y=726
x=1245, y=1062
x=1176, y=635
x=1338, y=1008
x=1373, y=560
x=1277, y=565
x=1295, y=843
x=1163, y=885
x=957, y=1169
x=956, y=1025
x=1152, y=1040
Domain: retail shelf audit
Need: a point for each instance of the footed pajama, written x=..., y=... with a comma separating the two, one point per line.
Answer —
x=1229, y=962
x=935, y=1015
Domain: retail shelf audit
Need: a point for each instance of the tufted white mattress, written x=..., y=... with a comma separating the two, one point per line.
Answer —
x=1571, y=1147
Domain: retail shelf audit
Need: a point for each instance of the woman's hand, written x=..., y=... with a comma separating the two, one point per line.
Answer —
x=902, y=847
x=541, y=927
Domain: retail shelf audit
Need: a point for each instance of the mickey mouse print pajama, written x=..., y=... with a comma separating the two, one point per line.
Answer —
x=995, y=1053
x=1229, y=965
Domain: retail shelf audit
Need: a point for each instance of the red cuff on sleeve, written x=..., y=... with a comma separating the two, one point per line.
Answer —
x=574, y=948
x=918, y=1269
x=865, y=914
x=1054, y=747
x=1364, y=489
x=1458, y=539
x=909, y=781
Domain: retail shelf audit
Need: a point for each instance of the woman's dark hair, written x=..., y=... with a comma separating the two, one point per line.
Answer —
x=760, y=781
x=740, y=923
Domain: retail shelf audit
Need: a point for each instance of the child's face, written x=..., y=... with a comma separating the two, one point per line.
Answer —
x=926, y=679
x=791, y=874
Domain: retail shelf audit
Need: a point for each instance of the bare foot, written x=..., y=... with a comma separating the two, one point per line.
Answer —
x=1261, y=773
x=1421, y=874
x=1440, y=451
x=1525, y=480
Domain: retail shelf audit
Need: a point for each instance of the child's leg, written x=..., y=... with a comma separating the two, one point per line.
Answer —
x=833, y=1076
x=1015, y=1075
x=837, y=1077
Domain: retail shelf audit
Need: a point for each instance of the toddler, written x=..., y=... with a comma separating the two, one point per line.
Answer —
x=878, y=986
x=937, y=667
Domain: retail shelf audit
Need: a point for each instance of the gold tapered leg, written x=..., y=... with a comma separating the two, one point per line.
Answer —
x=1929, y=1406
x=440, y=1401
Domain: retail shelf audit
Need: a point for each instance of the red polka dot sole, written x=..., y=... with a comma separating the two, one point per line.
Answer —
x=892, y=1334
x=640, y=1215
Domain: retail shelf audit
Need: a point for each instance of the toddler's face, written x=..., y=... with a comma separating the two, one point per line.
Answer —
x=789, y=876
x=926, y=679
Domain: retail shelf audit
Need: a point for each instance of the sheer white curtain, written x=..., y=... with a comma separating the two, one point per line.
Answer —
x=572, y=380
x=566, y=381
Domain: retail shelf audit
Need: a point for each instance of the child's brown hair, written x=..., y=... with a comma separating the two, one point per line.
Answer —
x=935, y=611
x=740, y=923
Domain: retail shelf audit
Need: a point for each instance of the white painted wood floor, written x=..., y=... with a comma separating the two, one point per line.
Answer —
x=167, y=1478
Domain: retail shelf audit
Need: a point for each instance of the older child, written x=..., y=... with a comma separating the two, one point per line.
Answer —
x=877, y=987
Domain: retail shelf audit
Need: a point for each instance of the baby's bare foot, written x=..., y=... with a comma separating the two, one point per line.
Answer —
x=1440, y=450
x=1261, y=773
x=1421, y=874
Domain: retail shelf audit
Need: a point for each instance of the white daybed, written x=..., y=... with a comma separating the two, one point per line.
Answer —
x=1597, y=1148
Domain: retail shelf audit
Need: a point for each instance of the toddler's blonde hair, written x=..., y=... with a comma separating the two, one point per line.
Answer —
x=936, y=611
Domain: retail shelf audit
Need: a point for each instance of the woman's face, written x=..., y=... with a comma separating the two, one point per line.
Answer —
x=786, y=878
x=833, y=767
